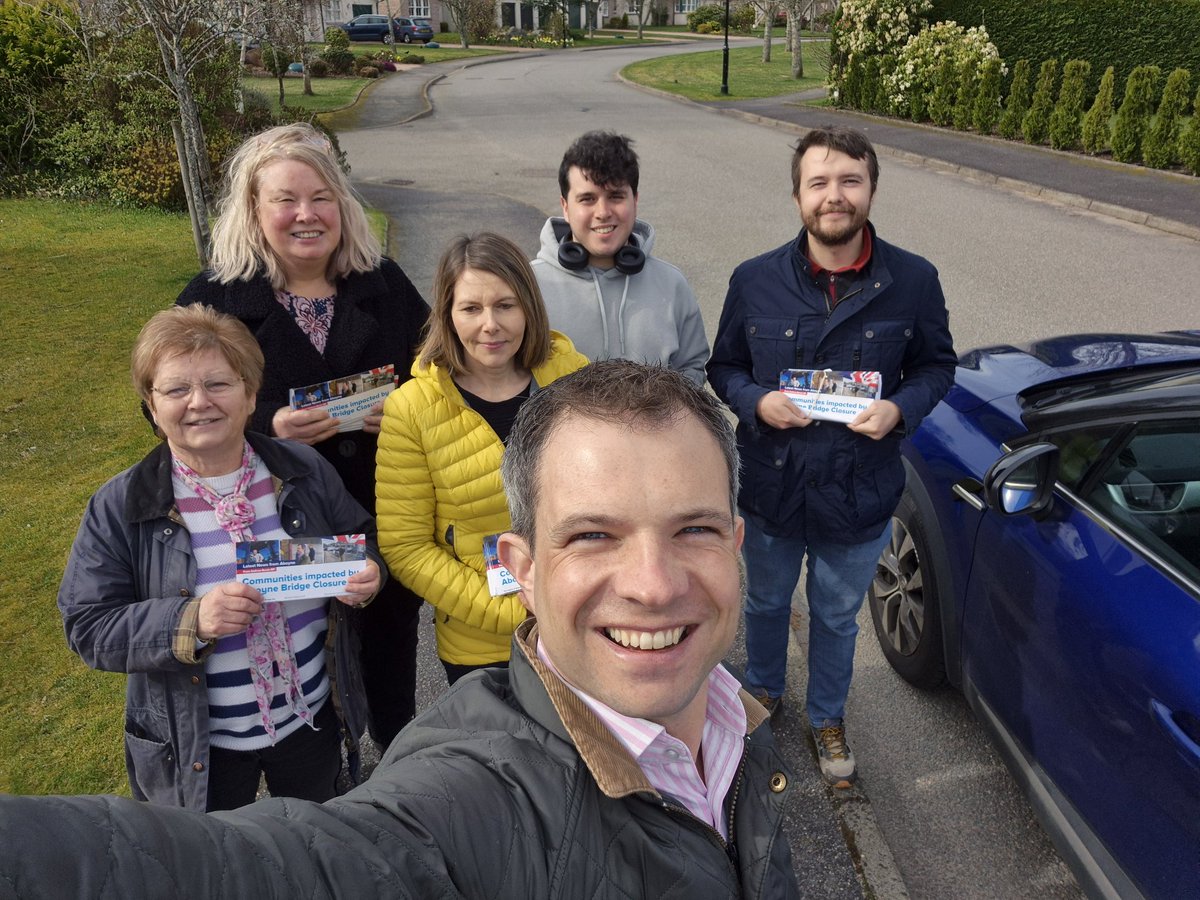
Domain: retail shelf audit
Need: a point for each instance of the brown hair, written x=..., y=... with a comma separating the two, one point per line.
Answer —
x=841, y=138
x=192, y=329
x=496, y=255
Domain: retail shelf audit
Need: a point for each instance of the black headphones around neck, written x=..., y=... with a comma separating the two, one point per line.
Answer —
x=629, y=260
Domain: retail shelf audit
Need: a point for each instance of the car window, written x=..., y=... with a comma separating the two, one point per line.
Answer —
x=1145, y=478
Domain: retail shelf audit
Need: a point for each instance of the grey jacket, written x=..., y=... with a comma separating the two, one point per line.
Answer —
x=127, y=605
x=507, y=788
x=649, y=317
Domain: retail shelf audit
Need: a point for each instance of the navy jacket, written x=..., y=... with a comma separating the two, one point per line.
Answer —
x=825, y=479
x=131, y=573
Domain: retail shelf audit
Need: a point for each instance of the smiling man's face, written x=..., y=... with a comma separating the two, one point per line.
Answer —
x=601, y=216
x=634, y=578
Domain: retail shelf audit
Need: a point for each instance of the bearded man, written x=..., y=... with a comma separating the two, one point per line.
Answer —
x=834, y=298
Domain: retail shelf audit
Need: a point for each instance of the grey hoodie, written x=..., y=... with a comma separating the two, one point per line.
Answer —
x=649, y=317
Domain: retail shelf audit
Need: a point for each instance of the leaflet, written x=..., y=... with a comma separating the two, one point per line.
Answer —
x=500, y=580
x=348, y=399
x=301, y=567
x=833, y=396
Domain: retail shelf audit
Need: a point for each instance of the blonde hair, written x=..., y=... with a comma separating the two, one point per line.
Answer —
x=193, y=329
x=239, y=248
x=496, y=255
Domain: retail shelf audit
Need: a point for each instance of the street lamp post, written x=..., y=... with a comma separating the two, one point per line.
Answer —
x=725, y=54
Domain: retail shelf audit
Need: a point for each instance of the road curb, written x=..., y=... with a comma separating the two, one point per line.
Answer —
x=978, y=176
x=878, y=875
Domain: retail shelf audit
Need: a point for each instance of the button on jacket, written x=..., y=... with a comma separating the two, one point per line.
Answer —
x=825, y=479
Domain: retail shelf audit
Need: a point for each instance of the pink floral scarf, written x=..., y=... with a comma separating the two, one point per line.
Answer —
x=268, y=637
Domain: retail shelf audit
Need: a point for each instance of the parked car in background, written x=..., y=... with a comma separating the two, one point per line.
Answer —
x=1045, y=559
x=409, y=30
x=377, y=28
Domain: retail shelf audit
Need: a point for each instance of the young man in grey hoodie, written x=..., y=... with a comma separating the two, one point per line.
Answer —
x=602, y=287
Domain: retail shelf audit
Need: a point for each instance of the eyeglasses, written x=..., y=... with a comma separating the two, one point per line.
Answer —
x=213, y=387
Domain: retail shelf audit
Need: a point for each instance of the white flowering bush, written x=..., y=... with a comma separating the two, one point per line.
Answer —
x=911, y=84
x=864, y=29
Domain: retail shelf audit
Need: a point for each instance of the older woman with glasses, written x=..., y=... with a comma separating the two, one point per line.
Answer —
x=294, y=259
x=223, y=687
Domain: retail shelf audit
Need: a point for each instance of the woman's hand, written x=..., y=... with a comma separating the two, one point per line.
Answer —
x=227, y=609
x=373, y=419
x=309, y=426
x=361, y=586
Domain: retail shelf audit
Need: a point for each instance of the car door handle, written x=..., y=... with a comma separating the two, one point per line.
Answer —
x=1170, y=724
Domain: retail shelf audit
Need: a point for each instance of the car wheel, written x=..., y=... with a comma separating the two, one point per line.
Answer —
x=408, y=39
x=388, y=39
x=904, y=602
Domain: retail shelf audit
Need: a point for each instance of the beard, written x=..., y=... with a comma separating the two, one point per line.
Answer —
x=832, y=236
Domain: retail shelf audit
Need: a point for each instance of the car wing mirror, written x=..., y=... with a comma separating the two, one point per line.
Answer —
x=1021, y=483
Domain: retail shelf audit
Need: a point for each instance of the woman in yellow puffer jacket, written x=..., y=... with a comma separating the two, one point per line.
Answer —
x=488, y=346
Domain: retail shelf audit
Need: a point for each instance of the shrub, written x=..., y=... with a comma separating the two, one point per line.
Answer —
x=339, y=59
x=945, y=88
x=337, y=39
x=624, y=20
x=1018, y=102
x=318, y=68
x=368, y=72
x=1133, y=118
x=1065, y=120
x=849, y=93
x=412, y=59
x=709, y=14
x=704, y=28
x=1095, y=133
x=1189, y=140
x=964, y=101
x=742, y=17
x=868, y=89
x=987, y=98
x=387, y=66
x=865, y=28
x=1036, y=123
x=882, y=100
x=1159, y=148
x=919, y=62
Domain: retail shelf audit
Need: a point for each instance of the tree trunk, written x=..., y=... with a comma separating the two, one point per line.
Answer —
x=766, y=55
x=641, y=19
x=200, y=234
x=797, y=46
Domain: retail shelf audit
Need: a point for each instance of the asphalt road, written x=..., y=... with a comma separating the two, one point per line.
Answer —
x=717, y=189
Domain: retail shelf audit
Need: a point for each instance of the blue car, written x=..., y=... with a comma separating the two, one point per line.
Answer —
x=1045, y=560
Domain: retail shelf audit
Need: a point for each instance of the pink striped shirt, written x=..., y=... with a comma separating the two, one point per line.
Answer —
x=666, y=761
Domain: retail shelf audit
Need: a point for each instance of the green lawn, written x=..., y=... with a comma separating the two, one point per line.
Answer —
x=328, y=93
x=697, y=76
x=76, y=281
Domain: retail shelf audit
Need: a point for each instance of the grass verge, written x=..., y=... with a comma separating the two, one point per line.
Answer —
x=77, y=282
x=328, y=93
x=697, y=76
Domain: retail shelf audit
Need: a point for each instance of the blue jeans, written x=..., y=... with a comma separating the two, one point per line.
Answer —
x=838, y=577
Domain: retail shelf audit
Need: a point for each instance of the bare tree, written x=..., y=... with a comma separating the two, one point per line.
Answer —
x=187, y=33
x=769, y=9
x=466, y=14
x=797, y=12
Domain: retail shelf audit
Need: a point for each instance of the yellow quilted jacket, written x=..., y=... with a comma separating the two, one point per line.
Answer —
x=438, y=495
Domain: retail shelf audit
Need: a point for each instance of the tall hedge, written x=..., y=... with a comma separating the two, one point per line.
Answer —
x=1189, y=140
x=1159, y=147
x=1123, y=34
x=1133, y=117
x=1097, y=121
x=987, y=99
x=1017, y=103
x=1036, y=124
x=1065, y=124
